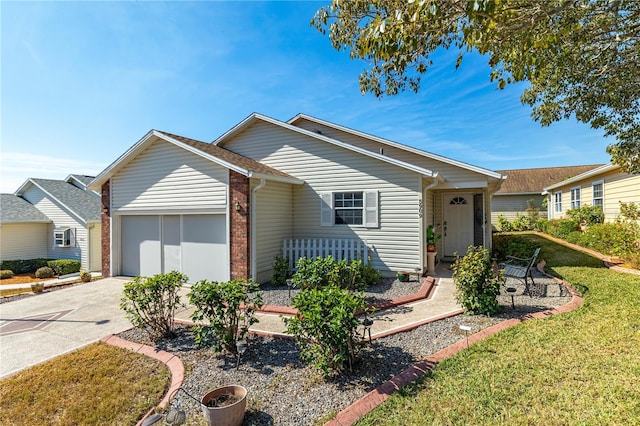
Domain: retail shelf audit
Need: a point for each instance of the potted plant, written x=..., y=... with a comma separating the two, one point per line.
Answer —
x=85, y=276
x=225, y=406
x=432, y=238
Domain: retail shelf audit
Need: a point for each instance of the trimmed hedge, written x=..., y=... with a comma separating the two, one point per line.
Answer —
x=64, y=266
x=23, y=266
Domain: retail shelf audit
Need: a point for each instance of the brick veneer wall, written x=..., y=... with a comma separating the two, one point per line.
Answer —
x=240, y=241
x=106, y=228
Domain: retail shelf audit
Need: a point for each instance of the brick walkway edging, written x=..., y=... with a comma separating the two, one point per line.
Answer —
x=172, y=362
x=364, y=405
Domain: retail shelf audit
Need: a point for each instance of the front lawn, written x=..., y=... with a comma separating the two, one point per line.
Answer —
x=581, y=367
x=96, y=385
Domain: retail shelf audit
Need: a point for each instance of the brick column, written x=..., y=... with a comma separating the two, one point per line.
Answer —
x=239, y=221
x=105, y=215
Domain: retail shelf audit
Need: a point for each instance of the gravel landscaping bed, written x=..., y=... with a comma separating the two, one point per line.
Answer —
x=283, y=391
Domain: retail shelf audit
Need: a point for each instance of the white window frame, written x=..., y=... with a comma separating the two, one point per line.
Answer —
x=593, y=194
x=62, y=237
x=369, y=209
x=557, y=202
x=575, y=197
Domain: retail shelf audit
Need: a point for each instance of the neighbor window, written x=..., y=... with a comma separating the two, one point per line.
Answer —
x=575, y=198
x=358, y=208
x=62, y=237
x=598, y=194
x=558, y=201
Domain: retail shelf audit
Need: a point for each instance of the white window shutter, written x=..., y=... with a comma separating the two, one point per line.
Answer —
x=326, y=209
x=371, y=209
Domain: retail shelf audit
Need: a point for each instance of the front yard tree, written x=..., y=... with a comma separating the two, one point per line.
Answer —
x=580, y=56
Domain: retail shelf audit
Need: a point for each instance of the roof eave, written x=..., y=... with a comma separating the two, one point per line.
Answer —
x=577, y=178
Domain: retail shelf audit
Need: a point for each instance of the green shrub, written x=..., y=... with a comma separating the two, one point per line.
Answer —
x=229, y=307
x=150, y=303
x=511, y=245
x=25, y=266
x=587, y=215
x=326, y=327
x=280, y=270
x=541, y=225
x=477, y=287
x=629, y=212
x=325, y=271
x=6, y=274
x=562, y=227
x=44, y=272
x=64, y=266
x=504, y=224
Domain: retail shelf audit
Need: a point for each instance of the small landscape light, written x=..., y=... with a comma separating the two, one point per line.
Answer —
x=367, y=323
x=466, y=330
x=512, y=291
x=241, y=347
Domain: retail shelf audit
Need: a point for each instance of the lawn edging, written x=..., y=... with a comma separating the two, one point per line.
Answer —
x=376, y=397
x=173, y=363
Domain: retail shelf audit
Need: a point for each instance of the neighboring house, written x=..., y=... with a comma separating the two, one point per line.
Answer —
x=222, y=210
x=605, y=186
x=73, y=219
x=24, y=229
x=524, y=185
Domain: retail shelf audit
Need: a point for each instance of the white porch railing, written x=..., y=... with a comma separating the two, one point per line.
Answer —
x=313, y=248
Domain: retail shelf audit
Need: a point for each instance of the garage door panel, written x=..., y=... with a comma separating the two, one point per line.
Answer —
x=204, y=247
x=171, y=243
x=141, y=245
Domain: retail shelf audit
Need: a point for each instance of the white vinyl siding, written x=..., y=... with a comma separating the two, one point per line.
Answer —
x=24, y=240
x=61, y=219
x=169, y=178
x=513, y=206
x=395, y=243
x=273, y=214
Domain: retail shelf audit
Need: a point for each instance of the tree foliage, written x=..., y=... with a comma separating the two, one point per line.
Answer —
x=580, y=56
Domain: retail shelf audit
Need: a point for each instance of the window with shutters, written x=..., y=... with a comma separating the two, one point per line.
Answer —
x=350, y=208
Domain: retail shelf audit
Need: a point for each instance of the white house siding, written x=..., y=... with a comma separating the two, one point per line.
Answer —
x=61, y=218
x=395, y=244
x=273, y=212
x=166, y=177
x=513, y=205
x=23, y=240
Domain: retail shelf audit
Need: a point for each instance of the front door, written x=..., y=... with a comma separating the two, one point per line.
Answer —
x=457, y=224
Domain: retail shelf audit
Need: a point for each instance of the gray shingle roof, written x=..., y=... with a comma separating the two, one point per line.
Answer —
x=14, y=209
x=83, y=178
x=85, y=204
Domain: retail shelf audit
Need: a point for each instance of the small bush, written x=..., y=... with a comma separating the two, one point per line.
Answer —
x=64, y=266
x=326, y=271
x=512, y=245
x=587, y=215
x=477, y=287
x=44, y=272
x=85, y=276
x=229, y=307
x=280, y=270
x=561, y=227
x=25, y=266
x=541, y=225
x=504, y=224
x=326, y=327
x=150, y=303
x=6, y=274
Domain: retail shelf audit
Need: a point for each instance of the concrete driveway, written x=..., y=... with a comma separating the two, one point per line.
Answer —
x=43, y=326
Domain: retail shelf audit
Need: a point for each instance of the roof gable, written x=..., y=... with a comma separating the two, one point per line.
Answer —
x=255, y=117
x=82, y=204
x=587, y=174
x=216, y=154
x=18, y=210
x=532, y=181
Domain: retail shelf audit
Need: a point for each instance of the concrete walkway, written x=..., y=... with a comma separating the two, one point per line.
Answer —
x=40, y=327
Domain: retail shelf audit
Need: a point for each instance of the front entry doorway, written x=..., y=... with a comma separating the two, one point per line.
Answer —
x=458, y=222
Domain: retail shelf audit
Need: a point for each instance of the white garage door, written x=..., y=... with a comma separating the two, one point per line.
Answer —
x=193, y=244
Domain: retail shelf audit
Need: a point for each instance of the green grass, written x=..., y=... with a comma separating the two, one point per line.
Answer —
x=96, y=385
x=579, y=368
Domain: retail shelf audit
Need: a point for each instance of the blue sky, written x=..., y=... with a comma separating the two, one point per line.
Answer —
x=83, y=81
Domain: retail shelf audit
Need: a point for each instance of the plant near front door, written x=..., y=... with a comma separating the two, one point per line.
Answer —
x=229, y=307
x=477, y=286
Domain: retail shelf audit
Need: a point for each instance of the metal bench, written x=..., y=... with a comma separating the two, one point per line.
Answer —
x=517, y=267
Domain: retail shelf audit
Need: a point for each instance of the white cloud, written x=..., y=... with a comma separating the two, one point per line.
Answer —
x=17, y=167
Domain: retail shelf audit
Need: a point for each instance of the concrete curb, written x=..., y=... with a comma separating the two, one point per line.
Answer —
x=364, y=405
x=172, y=362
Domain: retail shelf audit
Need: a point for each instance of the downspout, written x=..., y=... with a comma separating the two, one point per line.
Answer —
x=254, y=250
